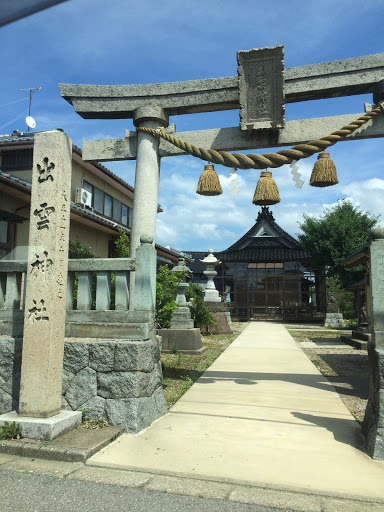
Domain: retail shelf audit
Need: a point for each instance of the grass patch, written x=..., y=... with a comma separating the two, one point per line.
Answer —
x=9, y=431
x=345, y=367
x=315, y=335
x=182, y=370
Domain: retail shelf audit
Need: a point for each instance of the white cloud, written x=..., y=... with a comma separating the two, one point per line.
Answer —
x=368, y=195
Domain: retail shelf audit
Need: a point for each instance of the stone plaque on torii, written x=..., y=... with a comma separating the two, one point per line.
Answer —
x=260, y=92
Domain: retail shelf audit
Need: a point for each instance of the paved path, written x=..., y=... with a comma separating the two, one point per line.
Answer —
x=262, y=414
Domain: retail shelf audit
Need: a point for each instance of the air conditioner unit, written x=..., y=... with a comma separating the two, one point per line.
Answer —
x=83, y=197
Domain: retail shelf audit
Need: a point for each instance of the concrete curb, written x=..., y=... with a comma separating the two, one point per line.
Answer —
x=297, y=500
x=75, y=446
x=238, y=483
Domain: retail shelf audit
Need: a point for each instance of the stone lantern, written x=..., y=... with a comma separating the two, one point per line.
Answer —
x=181, y=318
x=211, y=294
x=182, y=336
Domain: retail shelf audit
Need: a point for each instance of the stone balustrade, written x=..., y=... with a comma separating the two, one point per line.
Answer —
x=94, y=284
x=12, y=279
x=98, y=298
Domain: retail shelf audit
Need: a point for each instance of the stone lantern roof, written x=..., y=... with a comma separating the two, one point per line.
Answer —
x=210, y=259
x=181, y=266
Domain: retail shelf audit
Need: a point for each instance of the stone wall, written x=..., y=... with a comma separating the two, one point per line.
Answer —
x=116, y=380
x=373, y=425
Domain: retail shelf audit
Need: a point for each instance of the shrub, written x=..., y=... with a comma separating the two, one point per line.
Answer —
x=10, y=431
x=344, y=298
x=166, y=291
x=199, y=311
x=122, y=245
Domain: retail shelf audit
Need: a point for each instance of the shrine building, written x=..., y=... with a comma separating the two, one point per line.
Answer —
x=266, y=275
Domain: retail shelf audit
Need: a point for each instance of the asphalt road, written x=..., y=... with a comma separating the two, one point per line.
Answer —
x=21, y=492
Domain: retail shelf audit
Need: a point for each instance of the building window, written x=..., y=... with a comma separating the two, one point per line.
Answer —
x=116, y=210
x=5, y=238
x=18, y=160
x=88, y=187
x=124, y=215
x=98, y=200
x=108, y=205
x=4, y=233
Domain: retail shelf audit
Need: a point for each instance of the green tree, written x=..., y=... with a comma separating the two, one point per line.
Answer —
x=329, y=239
x=76, y=251
x=199, y=311
x=166, y=291
x=343, y=297
x=122, y=245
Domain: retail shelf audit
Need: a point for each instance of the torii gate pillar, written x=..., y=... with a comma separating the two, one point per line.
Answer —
x=145, y=202
x=147, y=175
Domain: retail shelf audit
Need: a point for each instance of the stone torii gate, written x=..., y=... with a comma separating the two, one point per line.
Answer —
x=260, y=91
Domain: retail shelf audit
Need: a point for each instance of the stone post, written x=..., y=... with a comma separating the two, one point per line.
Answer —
x=46, y=284
x=368, y=297
x=44, y=320
x=373, y=425
x=145, y=281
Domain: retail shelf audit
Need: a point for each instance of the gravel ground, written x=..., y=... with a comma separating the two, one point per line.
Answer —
x=344, y=366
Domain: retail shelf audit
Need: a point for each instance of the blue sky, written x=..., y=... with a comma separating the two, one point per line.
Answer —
x=121, y=42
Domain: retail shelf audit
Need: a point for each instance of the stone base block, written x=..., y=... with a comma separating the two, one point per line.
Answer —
x=334, y=320
x=44, y=429
x=211, y=296
x=187, y=341
x=181, y=319
x=221, y=326
x=215, y=307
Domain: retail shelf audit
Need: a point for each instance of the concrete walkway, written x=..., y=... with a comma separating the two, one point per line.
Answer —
x=261, y=414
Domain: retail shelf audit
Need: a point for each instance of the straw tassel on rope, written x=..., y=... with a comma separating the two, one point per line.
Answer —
x=266, y=192
x=324, y=172
x=209, y=183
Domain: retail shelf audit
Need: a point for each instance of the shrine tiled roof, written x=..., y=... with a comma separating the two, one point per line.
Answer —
x=276, y=246
x=196, y=266
x=263, y=254
x=266, y=216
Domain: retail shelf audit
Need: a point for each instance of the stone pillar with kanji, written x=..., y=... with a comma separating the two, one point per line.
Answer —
x=46, y=277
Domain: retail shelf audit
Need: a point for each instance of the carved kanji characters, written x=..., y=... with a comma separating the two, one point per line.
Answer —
x=36, y=314
x=43, y=214
x=41, y=265
x=45, y=170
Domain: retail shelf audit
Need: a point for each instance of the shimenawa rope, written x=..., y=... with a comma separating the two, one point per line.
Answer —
x=272, y=160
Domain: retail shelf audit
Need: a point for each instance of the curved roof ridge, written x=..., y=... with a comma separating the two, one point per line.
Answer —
x=264, y=214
